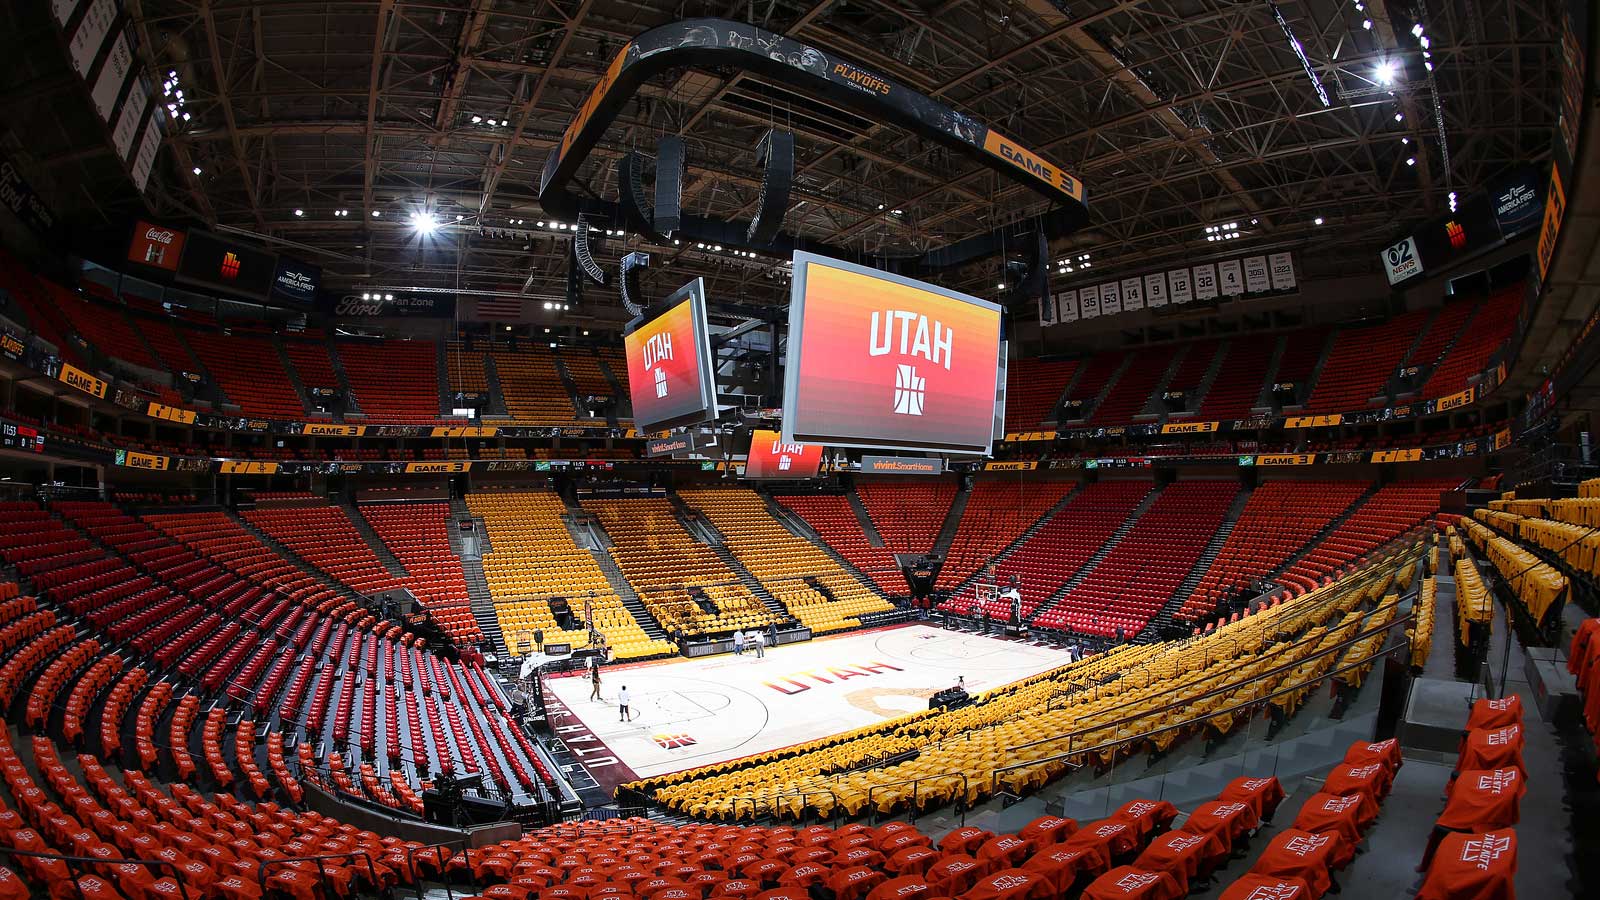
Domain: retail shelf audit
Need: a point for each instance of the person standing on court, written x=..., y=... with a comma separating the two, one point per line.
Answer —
x=622, y=705
x=594, y=679
x=760, y=642
x=772, y=634
x=738, y=643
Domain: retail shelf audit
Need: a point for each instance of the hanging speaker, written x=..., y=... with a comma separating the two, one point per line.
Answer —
x=630, y=190
x=669, y=185
x=633, y=265
x=574, y=276
x=585, y=256
x=775, y=153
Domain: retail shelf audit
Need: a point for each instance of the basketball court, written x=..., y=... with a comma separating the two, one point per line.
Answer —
x=702, y=711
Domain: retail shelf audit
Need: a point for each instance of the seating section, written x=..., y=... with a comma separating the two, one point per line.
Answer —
x=394, y=381
x=1059, y=549
x=532, y=386
x=997, y=513
x=40, y=314
x=466, y=369
x=1384, y=516
x=533, y=568
x=323, y=535
x=908, y=516
x=1197, y=359
x=1132, y=390
x=1088, y=713
x=583, y=367
x=249, y=372
x=312, y=363
x=211, y=616
x=418, y=534
x=681, y=581
x=1483, y=336
x=1362, y=361
x=835, y=521
x=1444, y=330
x=614, y=361
x=1277, y=521
x=103, y=325
x=1096, y=373
x=1132, y=582
x=1240, y=380
x=1033, y=389
x=809, y=584
x=1302, y=349
x=162, y=335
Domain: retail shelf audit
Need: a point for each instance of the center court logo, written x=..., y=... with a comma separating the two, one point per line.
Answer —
x=672, y=741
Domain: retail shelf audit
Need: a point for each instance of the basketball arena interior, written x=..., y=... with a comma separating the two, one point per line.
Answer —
x=799, y=449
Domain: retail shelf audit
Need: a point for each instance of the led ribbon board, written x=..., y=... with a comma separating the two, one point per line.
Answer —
x=806, y=69
x=882, y=361
x=670, y=377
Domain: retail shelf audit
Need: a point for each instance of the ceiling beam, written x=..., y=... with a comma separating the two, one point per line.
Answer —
x=380, y=40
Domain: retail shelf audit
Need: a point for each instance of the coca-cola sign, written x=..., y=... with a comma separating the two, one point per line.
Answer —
x=156, y=245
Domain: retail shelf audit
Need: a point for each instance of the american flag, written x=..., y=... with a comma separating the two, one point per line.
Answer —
x=500, y=308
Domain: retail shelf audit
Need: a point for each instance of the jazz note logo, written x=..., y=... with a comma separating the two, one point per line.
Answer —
x=230, y=265
x=910, y=390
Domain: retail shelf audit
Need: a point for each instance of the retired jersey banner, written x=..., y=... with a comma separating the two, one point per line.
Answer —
x=879, y=360
x=670, y=373
x=1256, y=280
x=1067, y=306
x=772, y=457
x=1282, y=271
x=1155, y=290
x=1181, y=284
x=1230, y=278
x=1205, y=282
x=1132, y=294
x=1089, y=300
x=1110, y=298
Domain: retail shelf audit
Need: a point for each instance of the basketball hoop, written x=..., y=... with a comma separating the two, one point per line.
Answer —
x=986, y=592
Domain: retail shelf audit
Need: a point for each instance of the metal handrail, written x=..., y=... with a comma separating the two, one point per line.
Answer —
x=915, y=782
x=322, y=872
x=73, y=871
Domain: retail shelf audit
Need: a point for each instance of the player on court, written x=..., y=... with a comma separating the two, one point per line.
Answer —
x=625, y=715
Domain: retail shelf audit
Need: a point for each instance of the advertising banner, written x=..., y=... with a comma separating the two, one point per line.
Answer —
x=901, y=465
x=670, y=375
x=295, y=281
x=879, y=360
x=387, y=306
x=75, y=377
x=156, y=245
x=773, y=457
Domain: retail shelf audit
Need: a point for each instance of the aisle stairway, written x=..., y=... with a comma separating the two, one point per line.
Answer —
x=472, y=568
x=1164, y=618
x=374, y=543
x=1018, y=541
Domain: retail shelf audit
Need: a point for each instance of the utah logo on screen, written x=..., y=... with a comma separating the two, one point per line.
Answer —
x=658, y=349
x=918, y=336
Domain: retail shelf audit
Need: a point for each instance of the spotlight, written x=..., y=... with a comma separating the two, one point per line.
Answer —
x=1424, y=43
x=586, y=332
x=186, y=115
x=899, y=212
x=377, y=213
x=424, y=223
x=1411, y=160
x=1367, y=24
x=880, y=207
x=366, y=296
x=299, y=212
x=197, y=170
x=1385, y=72
x=1405, y=141
x=1416, y=30
x=717, y=248
x=541, y=223
x=1001, y=286
x=1317, y=220
x=477, y=119
x=1399, y=117
x=388, y=296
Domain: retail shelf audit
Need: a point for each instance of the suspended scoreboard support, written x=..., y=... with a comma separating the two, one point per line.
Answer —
x=877, y=360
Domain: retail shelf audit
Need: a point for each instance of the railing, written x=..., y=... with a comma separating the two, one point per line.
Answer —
x=322, y=869
x=78, y=866
x=916, y=784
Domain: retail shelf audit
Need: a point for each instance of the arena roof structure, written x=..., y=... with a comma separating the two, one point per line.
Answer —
x=326, y=127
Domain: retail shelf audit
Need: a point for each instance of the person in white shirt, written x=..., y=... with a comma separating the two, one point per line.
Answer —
x=759, y=642
x=738, y=642
x=622, y=703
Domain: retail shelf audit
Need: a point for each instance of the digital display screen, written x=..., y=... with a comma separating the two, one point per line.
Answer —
x=156, y=245
x=295, y=281
x=227, y=265
x=879, y=360
x=669, y=363
x=772, y=457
